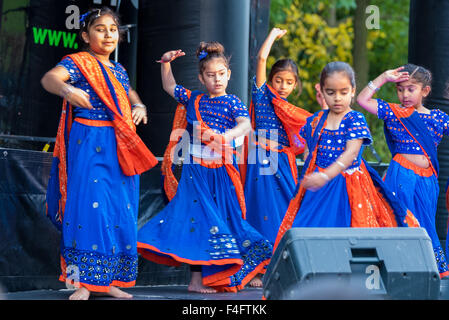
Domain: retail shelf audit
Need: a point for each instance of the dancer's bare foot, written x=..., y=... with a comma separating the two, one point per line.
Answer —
x=196, y=284
x=256, y=282
x=115, y=293
x=80, y=294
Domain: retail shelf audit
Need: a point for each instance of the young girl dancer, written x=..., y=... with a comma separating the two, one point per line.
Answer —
x=271, y=175
x=334, y=166
x=93, y=191
x=203, y=224
x=413, y=133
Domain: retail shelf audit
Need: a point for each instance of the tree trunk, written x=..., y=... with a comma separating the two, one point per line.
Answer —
x=360, y=52
x=332, y=19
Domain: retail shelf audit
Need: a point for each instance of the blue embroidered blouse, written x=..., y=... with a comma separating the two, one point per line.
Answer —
x=99, y=111
x=265, y=116
x=332, y=143
x=437, y=122
x=219, y=113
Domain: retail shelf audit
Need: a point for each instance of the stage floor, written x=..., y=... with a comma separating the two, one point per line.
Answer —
x=175, y=292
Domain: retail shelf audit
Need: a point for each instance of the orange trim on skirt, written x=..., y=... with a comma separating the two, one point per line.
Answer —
x=94, y=123
x=423, y=172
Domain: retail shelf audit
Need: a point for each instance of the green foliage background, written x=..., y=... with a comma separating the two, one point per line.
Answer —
x=323, y=31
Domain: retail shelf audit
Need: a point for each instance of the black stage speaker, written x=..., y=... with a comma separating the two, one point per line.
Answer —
x=354, y=264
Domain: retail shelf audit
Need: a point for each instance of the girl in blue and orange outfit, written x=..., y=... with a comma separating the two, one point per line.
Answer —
x=203, y=224
x=271, y=174
x=93, y=191
x=413, y=133
x=338, y=189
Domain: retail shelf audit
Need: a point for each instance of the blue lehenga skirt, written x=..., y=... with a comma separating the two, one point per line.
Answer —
x=269, y=186
x=418, y=189
x=327, y=207
x=203, y=225
x=99, y=227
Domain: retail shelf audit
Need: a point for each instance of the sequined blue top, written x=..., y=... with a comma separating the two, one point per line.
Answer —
x=265, y=116
x=332, y=143
x=437, y=122
x=219, y=113
x=99, y=110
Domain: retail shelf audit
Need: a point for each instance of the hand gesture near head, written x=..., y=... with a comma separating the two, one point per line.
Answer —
x=365, y=97
x=395, y=75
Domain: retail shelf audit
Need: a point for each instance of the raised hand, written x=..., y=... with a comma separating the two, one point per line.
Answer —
x=169, y=56
x=277, y=33
x=320, y=98
x=264, y=52
x=395, y=75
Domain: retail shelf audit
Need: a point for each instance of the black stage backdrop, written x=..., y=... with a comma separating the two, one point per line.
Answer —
x=171, y=25
x=34, y=36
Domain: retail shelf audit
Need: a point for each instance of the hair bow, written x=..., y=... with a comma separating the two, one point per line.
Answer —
x=202, y=55
x=83, y=17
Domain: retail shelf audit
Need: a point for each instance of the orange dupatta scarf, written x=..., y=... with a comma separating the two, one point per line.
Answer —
x=178, y=128
x=293, y=119
x=134, y=157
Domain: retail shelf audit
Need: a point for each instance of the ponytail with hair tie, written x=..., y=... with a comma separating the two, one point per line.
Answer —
x=209, y=50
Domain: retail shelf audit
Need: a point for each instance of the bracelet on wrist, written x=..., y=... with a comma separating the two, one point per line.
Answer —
x=325, y=176
x=341, y=164
x=66, y=90
x=140, y=105
x=372, y=86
